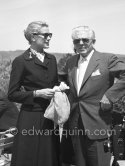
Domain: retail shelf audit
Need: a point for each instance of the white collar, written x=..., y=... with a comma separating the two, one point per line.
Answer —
x=86, y=58
x=39, y=55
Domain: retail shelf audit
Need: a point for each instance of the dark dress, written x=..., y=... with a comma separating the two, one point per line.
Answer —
x=36, y=143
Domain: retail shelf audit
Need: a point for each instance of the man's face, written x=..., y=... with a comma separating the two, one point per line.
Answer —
x=83, y=42
x=42, y=38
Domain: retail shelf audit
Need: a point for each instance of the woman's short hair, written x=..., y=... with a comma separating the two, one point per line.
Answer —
x=34, y=27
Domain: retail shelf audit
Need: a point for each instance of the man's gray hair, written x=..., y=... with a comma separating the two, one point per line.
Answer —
x=84, y=30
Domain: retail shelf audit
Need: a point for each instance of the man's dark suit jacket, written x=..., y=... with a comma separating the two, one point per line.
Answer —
x=96, y=122
x=8, y=114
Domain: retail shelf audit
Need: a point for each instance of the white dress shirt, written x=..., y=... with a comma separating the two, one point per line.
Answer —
x=82, y=66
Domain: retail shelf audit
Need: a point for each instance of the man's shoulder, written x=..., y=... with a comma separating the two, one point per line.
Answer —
x=106, y=55
x=72, y=58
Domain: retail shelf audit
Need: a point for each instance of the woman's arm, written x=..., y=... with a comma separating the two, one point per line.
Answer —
x=16, y=79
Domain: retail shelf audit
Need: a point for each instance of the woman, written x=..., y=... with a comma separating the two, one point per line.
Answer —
x=33, y=75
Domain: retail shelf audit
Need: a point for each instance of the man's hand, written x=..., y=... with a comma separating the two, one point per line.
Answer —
x=105, y=103
x=45, y=93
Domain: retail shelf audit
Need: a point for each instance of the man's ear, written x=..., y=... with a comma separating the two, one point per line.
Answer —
x=94, y=40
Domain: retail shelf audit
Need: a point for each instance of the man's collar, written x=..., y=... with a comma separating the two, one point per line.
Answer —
x=88, y=57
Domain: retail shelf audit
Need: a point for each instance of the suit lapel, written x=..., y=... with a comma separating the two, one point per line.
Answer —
x=74, y=72
x=93, y=63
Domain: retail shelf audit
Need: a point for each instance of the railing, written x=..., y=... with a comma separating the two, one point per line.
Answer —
x=6, y=143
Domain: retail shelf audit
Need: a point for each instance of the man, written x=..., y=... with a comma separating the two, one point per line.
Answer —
x=8, y=113
x=92, y=93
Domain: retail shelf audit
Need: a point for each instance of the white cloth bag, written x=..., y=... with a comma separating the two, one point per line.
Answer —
x=58, y=109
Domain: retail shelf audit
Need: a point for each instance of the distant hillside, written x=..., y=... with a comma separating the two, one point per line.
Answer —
x=10, y=55
x=121, y=56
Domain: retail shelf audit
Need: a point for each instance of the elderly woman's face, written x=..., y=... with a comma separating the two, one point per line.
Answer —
x=42, y=38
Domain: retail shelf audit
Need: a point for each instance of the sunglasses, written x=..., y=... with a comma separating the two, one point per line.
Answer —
x=45, y=35
x=84, y=40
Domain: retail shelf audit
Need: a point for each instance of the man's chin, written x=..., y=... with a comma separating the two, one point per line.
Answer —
x=46, y=46
x=83, y=51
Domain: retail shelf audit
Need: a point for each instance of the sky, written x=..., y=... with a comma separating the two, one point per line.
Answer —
x=105, y=17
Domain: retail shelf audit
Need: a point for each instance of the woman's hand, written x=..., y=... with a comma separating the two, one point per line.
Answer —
x=45, y=93
x=62, y=87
